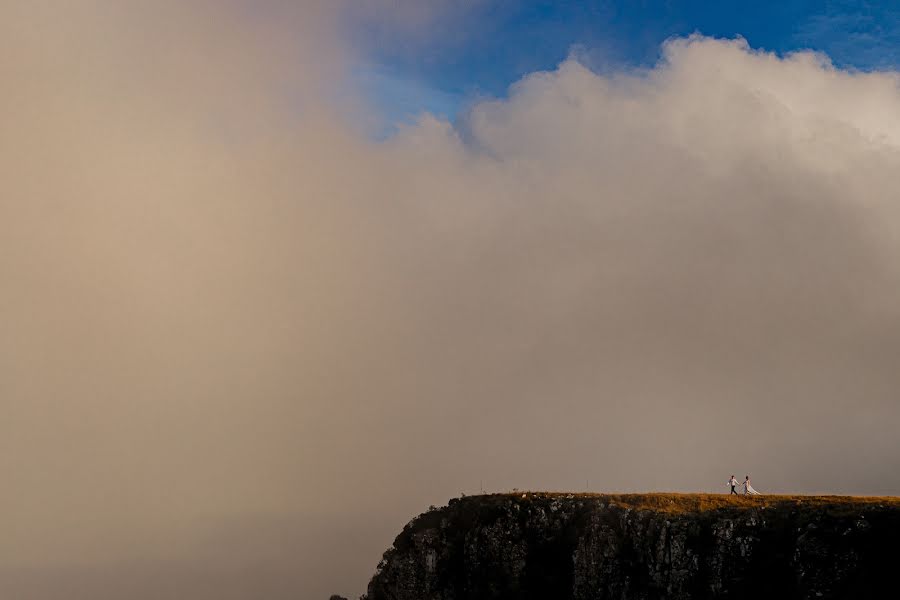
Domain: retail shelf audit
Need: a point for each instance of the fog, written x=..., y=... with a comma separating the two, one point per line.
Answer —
x=242, y=342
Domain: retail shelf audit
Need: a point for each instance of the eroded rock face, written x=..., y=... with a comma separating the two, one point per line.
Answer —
x=580, y=547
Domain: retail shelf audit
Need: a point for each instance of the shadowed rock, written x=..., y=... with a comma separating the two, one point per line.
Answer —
x=650, y=546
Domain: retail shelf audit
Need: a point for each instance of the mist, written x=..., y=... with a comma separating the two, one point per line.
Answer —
x=242, y=342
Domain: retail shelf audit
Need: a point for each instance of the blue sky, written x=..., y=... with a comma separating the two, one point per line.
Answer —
x=479, y=52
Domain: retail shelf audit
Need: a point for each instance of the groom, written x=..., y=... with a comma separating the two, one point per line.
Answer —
x=733, y=483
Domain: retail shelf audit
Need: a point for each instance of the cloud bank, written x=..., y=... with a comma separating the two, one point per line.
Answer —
x=242, y=343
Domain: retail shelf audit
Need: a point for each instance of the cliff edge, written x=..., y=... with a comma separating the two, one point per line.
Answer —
x=551, y=546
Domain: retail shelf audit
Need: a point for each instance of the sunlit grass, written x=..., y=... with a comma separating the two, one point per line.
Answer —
x=680, y=503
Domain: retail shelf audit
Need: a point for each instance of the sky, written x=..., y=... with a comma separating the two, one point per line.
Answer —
x=277, y=276
x=490, y=45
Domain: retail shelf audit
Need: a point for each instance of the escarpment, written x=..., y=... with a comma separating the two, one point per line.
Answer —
x=652, y=546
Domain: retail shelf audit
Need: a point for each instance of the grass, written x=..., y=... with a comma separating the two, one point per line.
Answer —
x=683, y=503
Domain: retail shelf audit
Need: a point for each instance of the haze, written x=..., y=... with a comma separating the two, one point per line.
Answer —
x=243, y=340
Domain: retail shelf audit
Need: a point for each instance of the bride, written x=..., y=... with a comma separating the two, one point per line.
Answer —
x=748, y=489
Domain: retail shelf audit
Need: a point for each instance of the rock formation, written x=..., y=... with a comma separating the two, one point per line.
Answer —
x=653, y=546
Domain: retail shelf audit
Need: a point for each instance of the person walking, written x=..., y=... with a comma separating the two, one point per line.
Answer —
x=748, y=489
x=733, y=482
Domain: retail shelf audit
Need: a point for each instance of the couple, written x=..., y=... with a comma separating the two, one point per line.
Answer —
x=748, y=489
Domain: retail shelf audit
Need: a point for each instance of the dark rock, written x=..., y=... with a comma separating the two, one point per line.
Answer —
x=647, y=547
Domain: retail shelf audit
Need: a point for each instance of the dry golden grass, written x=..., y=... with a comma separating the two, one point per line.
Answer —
x=681, y=503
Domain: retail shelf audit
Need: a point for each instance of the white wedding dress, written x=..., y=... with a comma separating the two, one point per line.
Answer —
x=748, y=489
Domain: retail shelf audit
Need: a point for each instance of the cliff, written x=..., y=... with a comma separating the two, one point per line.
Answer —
x=579, y=546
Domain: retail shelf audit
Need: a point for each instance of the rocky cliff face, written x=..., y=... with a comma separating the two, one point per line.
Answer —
x=592, y=547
